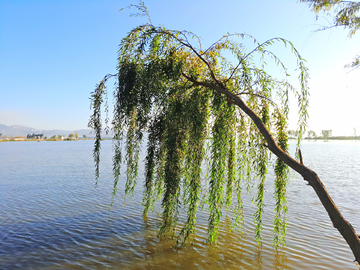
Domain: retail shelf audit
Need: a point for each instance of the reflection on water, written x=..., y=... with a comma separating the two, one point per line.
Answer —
x=53, y=217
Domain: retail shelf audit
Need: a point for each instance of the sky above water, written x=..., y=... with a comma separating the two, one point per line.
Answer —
x=53, y=53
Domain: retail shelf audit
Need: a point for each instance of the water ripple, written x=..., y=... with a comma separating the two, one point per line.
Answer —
x=52, y=216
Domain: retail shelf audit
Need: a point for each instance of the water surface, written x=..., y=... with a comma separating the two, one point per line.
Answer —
x=52, y=216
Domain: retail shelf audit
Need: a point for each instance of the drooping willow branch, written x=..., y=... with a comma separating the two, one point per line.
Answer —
x=181, y=98
x=339, y=222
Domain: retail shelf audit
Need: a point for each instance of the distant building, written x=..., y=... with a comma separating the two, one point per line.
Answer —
x=35, y=136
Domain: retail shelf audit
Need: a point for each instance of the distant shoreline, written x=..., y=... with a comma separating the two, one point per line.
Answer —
x=333, y=138
x=47, y=140
x=24, y=139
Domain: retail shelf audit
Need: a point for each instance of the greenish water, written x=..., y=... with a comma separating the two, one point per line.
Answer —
x=53, y=217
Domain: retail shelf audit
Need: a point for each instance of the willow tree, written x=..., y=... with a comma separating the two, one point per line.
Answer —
x=215, y=108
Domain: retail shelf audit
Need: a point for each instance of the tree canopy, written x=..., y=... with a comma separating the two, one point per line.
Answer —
x=168, y=88
x=211, y=117
x=347, y=15
x=312, y=134
x=326, y=134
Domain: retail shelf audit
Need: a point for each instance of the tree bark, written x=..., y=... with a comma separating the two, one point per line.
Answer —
x=339, y=222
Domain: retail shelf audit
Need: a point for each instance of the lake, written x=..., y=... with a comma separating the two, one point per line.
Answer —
x=52, y=216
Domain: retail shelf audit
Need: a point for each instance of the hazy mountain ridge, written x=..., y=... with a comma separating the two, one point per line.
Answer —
x=16, y=130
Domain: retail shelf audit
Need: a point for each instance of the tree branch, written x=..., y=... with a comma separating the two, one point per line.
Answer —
x=339, y=222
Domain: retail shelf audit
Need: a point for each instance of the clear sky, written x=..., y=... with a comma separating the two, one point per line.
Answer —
x=52, y=53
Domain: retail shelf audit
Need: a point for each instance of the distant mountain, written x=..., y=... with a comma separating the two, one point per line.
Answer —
x=23, y=131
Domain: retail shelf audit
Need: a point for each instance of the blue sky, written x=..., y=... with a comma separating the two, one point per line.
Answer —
x=52, y=53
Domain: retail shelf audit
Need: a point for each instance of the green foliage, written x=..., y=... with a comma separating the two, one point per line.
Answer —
x=281, y=178
x=326, y=134
x=53, y=138
x=344, y=13
x=198, y=142
x=312, y=134
x=355, y=63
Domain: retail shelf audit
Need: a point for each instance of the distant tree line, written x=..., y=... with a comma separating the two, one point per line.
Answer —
x=325, y=135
